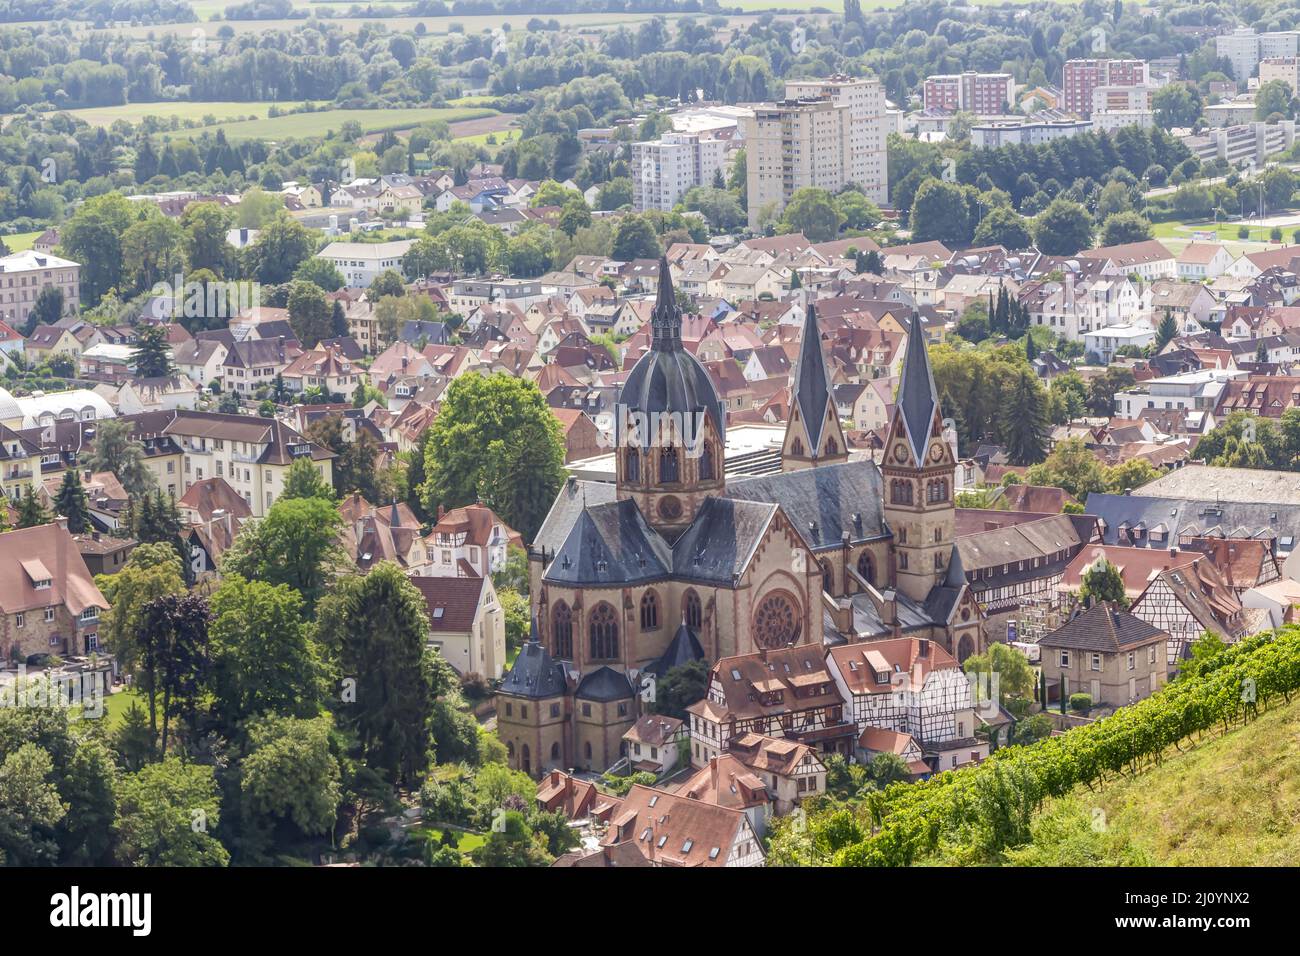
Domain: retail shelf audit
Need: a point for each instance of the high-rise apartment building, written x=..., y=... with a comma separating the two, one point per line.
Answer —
x=1244, y=49
x=986, y=94
x=665, y=169
x=1081, y=77
x=826, y=133
x=1284, y=68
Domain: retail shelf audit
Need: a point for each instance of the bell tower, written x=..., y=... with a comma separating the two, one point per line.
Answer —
x=670, y=427
x=813, y=435
x=918, y=472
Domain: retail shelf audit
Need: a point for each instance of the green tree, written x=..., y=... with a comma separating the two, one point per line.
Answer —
x=940, y=211
x=1015, y=677
x=495, y=439
x=1072, y=466
x=1063, y=228
x=291, y=773
x=1102, y=582
x=204, y=226
x=1166, y=331
x=304, y=480
x=70, y=502
x=116, y=451
x=151, y=355
x=30, y=510
x=310, y=313
x=263, y=658
x=377, y=629
x=30, y=808
x=386, y=283
x=295, y=544
x=321, y=273
x=813, y=212
x=1003, y=226
x=152, y=571
x=1177, y=104
x=1273, y=97
x=1025, y=425
x=280, y=247
x=167, y=813
x=1125, y=227
x=93, y=237
x=46, y=310
x=680, y=687
x=635, y=239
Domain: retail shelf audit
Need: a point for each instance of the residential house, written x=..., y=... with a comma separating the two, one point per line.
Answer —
x=469, y=540
x=466, y=623
x=912, y=686
x=49, y=603
x=1114, y=657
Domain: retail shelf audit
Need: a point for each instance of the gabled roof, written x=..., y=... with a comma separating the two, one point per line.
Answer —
x=1105, y=628
x=451, y=603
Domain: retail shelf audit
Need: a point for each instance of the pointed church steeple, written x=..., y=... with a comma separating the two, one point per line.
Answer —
x=917, y=397
x=919, y=472
x=813, y=435
x=666, y=320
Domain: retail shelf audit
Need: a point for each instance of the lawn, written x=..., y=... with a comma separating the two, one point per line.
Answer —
x=501, y=137
x=20, y=241
x=467, y=844
x=116, y=706
x=135, y=112
x=300, y=125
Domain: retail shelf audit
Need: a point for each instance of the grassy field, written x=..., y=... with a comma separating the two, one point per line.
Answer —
x=1232, y=800
x=321, y=122
x=434, y=26
x=481, y=139
x=116, y=706
x=20, y=241
x=135, y=112
x=467, y=843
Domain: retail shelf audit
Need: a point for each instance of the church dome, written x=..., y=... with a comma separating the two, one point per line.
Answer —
x=668, y=379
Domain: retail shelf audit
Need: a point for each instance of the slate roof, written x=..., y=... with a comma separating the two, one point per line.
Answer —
x=610, y=544
x=685, y=647
x=668, y=379
x=824, y=502
x=573, y=497
x=535, y=673
x=1194, y=517
x=917, y=398
x=720, y=542
x=1105, y=628
x=812, y=382
x=605, y=684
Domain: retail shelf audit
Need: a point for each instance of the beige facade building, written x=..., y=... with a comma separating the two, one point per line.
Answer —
x=24, y=274
x=826, y=133
x=1110, y=655
x=1284, y=68
x=675, y=563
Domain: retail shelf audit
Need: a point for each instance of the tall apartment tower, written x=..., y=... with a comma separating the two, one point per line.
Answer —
x=826, y=133
x=985, y=94
x=1244, y=48
x=1081, y=77
x=663, y=170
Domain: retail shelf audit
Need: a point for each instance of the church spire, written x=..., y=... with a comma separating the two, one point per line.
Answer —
x=813, y=436
x=666, y=320
x=917, y=398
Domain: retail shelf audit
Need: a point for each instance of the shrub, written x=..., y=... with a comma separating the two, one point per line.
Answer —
x=1080, y=703
x=1243, y=232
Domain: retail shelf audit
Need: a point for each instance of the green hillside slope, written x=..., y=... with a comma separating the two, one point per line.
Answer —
x=1231, y=800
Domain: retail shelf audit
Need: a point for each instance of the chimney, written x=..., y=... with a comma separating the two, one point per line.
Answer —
x=441, y=511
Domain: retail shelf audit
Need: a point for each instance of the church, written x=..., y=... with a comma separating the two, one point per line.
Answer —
x=673, y=562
